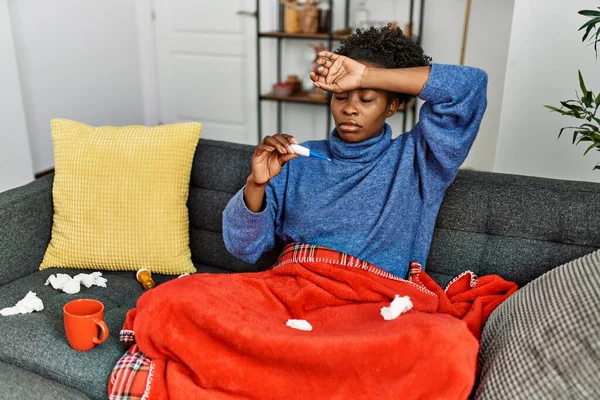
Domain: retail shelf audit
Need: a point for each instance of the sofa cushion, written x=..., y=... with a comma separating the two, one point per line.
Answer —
x=120, y=197
x=36, y=342
x=544, y=342
x=19, y=384
x=219, y=170
x=515, y=226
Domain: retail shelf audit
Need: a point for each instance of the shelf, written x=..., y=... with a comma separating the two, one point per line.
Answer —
x=322, y=36
x=301, y=97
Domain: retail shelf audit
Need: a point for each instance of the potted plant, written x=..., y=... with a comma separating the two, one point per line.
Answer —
x=586, y=104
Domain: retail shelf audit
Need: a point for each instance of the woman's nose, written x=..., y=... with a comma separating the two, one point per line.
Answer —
x=350, y=109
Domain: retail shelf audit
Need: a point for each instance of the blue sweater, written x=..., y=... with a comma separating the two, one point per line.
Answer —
x=378, y=199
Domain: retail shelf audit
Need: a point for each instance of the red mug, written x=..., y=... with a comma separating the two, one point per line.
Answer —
x=84, y=322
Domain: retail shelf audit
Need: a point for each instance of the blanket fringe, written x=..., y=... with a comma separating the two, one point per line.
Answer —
x=296, y=253
x=472, y=282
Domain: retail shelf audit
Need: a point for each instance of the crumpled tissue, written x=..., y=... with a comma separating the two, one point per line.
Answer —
x=398, y=306
x=72, y=285
x=29, y=304
x=300, y=324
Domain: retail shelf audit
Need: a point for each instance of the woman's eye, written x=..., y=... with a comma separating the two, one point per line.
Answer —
x=341, y=97
x=366, y=100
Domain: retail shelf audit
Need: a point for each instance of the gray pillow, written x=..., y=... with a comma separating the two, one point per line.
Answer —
x=544, y=341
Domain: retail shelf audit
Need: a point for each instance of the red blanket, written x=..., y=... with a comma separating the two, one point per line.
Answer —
x=213, y=336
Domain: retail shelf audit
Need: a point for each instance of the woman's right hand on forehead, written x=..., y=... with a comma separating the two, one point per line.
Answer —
x=337, y=73
x=269, y=156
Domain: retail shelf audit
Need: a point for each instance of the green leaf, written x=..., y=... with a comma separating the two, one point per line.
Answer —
x=568, y=127
x=589, y=148
x=595, y=136
x=597, y=167
x=593, y=21
x=582, y=84
x=587, y=32
x=592, y=127
x=583, y=139
x=589, y=13
x=588, y=99
x=558, y=110
x=571, y=106
x=584, y=136
x=552, y=108
x=583, y=131
x=569, y=113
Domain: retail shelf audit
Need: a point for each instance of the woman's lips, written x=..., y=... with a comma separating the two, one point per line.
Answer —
x=349, y=127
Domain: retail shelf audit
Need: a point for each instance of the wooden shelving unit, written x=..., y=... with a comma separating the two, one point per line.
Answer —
x=330, y=37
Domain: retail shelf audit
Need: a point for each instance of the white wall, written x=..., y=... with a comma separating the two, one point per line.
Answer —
x=545, y=53
x=15, y=159
x=487, y=48
x=79, y=60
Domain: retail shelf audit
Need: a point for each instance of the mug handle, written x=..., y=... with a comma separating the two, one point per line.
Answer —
x=104, y=330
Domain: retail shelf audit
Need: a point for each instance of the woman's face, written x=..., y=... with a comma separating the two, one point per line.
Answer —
x=360, y=114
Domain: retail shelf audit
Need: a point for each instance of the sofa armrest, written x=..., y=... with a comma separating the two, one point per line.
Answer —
x=25, y=228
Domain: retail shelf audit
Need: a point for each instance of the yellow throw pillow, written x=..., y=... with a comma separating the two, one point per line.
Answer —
x=120, y=197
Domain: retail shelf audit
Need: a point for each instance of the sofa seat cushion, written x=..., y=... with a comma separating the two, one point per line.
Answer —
x=36, y=342
x=19, y=384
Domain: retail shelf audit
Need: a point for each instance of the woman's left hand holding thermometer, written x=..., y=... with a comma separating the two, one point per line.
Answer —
x=268, y=159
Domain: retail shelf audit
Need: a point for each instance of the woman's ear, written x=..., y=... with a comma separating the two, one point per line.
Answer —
x=392, y=107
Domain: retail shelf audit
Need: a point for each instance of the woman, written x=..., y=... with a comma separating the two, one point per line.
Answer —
x=379, y=197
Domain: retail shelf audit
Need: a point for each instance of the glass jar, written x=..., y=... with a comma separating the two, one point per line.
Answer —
x=324, y=13
x=291, y=18
x=361, y=16
x=308, y=16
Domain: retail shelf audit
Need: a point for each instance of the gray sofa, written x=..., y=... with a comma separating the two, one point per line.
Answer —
x=515, y=226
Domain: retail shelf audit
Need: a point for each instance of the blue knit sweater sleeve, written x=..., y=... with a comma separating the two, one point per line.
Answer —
x=455, y=101
x=247, y=234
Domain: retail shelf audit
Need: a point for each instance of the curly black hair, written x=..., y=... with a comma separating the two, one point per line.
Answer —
x=386, y=47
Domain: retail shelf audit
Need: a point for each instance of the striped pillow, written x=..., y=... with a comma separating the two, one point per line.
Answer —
x=544, y=341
